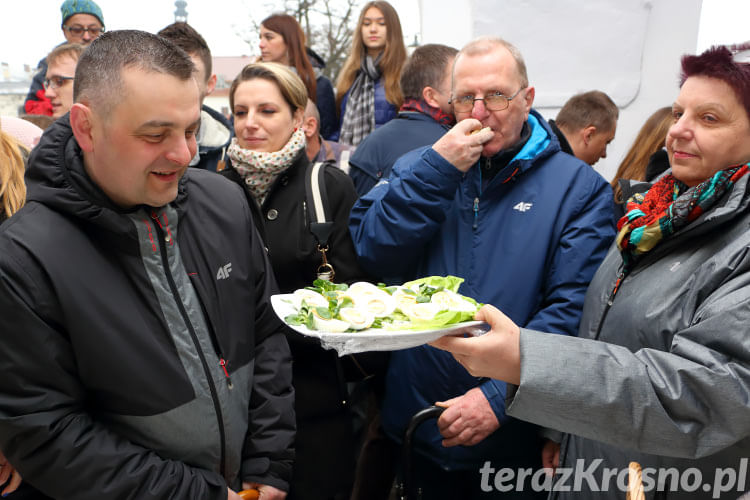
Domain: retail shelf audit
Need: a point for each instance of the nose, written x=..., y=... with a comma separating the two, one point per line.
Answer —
x=679, y=129
x=479, y=111
x=262, y=44
x=86, y=36
x=49, y=92
x=182, y=151
x=249, y=122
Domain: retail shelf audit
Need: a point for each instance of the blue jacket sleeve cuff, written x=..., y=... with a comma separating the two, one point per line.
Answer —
x=440, y=164
x=494, y=391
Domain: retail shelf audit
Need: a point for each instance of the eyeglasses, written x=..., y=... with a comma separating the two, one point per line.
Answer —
x=79, y=30
x=56, y=82
x=494, y=101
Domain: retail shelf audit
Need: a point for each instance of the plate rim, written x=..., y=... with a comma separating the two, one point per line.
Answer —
x=368, y=332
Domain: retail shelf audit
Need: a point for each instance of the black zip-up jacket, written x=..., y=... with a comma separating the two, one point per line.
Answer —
x=325, y=448
x=140, y=357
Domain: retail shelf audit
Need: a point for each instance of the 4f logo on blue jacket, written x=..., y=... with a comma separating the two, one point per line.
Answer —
x=523, y=206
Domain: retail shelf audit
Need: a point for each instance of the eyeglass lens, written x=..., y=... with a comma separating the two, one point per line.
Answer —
x=78, y=30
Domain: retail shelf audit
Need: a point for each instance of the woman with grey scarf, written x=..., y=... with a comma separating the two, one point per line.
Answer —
x=368, y=89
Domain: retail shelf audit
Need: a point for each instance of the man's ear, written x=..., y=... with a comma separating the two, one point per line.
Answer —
x=587, y=133
x=529, y=99
x=428, y=95
x=310, y=126
x=81, y=121
x=298, y=117
x=211, y=84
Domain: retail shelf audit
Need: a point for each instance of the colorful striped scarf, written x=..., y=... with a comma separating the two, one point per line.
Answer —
x=668, y=206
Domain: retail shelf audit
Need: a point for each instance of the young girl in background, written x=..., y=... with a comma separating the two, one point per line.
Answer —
x=368, y=89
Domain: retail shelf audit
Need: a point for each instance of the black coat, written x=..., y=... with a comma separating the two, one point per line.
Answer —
x=140, y=341
x=325, y=448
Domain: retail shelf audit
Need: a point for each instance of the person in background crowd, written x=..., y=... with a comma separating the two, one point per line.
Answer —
x=14, y=148
x=647, y=157
x=82, y=23
x=283, y=41
x=660, y=373
x=174, y=383
x=464, y=207
x=586, y=124
x=60, y=78
x=367, y=90
x=423, y=118
x=215, y=131
x=12, y=187
x=267, y=158
x=318, y=149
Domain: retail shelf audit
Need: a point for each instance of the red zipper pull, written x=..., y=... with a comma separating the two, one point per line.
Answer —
x=223, y=364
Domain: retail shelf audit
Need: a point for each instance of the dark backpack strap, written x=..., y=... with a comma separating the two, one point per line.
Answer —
x=317, y=203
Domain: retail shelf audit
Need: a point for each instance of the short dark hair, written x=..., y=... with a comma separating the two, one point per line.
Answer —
x=589, y=108
x=426, y=68
x=718, y=62
x=99, y=71
x=185, y=37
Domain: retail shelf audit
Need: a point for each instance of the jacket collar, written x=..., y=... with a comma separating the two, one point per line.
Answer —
x=540, y=144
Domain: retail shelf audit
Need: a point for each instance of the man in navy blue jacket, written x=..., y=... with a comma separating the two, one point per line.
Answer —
x=423, y=118
x=523, y=223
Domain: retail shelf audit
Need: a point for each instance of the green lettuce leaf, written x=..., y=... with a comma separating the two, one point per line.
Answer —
x=447, y=282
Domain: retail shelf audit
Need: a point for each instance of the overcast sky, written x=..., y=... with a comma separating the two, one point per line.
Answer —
x=33, y=28
x=29, y=29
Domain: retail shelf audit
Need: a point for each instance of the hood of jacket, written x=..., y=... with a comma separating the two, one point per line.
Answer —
x=215, y=132
x=56, y=177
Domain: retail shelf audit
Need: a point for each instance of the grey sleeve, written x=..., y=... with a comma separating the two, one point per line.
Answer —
x=690, y=401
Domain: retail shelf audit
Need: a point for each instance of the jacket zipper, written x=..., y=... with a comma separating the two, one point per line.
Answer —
x=475, y=207
x=212, y=388
x=610, y=300
x=476, y=213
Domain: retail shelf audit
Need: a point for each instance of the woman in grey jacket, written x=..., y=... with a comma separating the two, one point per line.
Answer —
x=661, y=372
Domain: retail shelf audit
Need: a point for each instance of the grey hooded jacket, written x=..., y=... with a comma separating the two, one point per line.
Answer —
x=661, y=375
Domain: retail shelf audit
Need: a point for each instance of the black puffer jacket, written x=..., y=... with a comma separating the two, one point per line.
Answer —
x=324, y=463
x=117, y=331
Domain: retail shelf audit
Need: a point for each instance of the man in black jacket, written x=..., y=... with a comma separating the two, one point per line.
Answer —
x=585, y=125
x=141, y=358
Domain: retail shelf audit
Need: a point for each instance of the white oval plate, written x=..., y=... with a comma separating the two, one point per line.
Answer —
x=373, y=339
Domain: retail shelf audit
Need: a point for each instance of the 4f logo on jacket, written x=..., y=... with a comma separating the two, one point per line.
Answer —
x=224, y=271
x=523, y=206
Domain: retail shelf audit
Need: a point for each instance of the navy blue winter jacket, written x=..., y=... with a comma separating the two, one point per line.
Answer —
x=529, y=246
x=376, y=154
x=326, y=102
